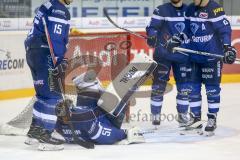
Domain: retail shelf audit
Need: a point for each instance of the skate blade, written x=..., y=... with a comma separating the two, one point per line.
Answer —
x=137, y=140
x=31, y=141
x=191, y=131
x=156, y=127
x=50, y=147
x=209, y=134
x=122, y=142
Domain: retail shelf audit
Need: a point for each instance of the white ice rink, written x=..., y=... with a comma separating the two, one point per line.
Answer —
x=166, y=144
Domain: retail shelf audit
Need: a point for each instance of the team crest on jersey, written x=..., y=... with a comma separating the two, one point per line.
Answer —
x=203, y=15
x=194, y=28
x=180, y=27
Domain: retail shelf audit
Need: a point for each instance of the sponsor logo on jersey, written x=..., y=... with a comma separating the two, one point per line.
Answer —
x=202, y=39
x=39, y=15
x=38, y=83
x=93, y=127
x=218, y=10
x=203, y=15
x=208, y=70
x=59, y=12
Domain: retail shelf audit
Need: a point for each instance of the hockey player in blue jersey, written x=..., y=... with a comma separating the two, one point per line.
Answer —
x=39, y=60
x=90, y=122
x=165, y=31
x=209, y=31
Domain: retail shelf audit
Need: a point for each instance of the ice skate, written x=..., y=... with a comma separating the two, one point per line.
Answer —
x=185, y=119
x=194, y=128
x=156, y=121
x=211, y=125
x=33, y=135
x=49, y=143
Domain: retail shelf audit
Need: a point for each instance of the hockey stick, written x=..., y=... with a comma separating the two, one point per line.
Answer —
x=237, y=61
x=117, y=26
x=49, y=41
x=85, y=144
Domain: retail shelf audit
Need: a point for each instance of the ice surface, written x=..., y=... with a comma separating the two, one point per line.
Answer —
x=165, y=144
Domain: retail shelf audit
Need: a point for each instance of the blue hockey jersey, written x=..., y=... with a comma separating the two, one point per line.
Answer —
x=57, y=18
x=97, y=129
x=167, y=21
x=90, y=123
x=208, y=30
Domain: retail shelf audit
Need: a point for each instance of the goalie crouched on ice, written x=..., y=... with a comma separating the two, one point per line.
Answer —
x=90, y=122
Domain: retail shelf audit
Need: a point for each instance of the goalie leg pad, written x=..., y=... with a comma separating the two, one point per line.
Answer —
x=126, y=83
x=134, y=135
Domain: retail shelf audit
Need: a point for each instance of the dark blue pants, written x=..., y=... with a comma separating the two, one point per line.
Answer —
x=39, y=61
x=181, y=73
x=210, y=74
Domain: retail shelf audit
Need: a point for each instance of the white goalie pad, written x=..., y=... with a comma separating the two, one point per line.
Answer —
x=119, y=91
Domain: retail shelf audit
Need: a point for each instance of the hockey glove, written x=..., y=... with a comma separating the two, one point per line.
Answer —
x=152, y=41
x=57, y=75
x=63, y=108
x=230, y=54
x=174, y=41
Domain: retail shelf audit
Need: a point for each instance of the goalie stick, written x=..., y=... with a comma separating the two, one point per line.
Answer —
x=85, y=144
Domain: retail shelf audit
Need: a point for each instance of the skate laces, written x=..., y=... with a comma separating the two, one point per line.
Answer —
x=183, y=117
x=211, y=122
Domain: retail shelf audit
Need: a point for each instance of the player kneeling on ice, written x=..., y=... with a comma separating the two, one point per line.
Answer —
x=90, y=122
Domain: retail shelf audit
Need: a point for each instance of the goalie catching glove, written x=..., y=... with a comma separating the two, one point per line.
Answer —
x=230, y=54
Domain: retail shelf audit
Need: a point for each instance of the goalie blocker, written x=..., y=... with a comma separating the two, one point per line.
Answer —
x=120, y=90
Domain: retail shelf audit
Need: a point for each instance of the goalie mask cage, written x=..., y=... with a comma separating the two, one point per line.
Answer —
x=105, y=53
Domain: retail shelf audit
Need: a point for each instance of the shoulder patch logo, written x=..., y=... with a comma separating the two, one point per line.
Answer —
x=47, y=5
x=157, y=10
x=217, y=10
x=203, y=15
